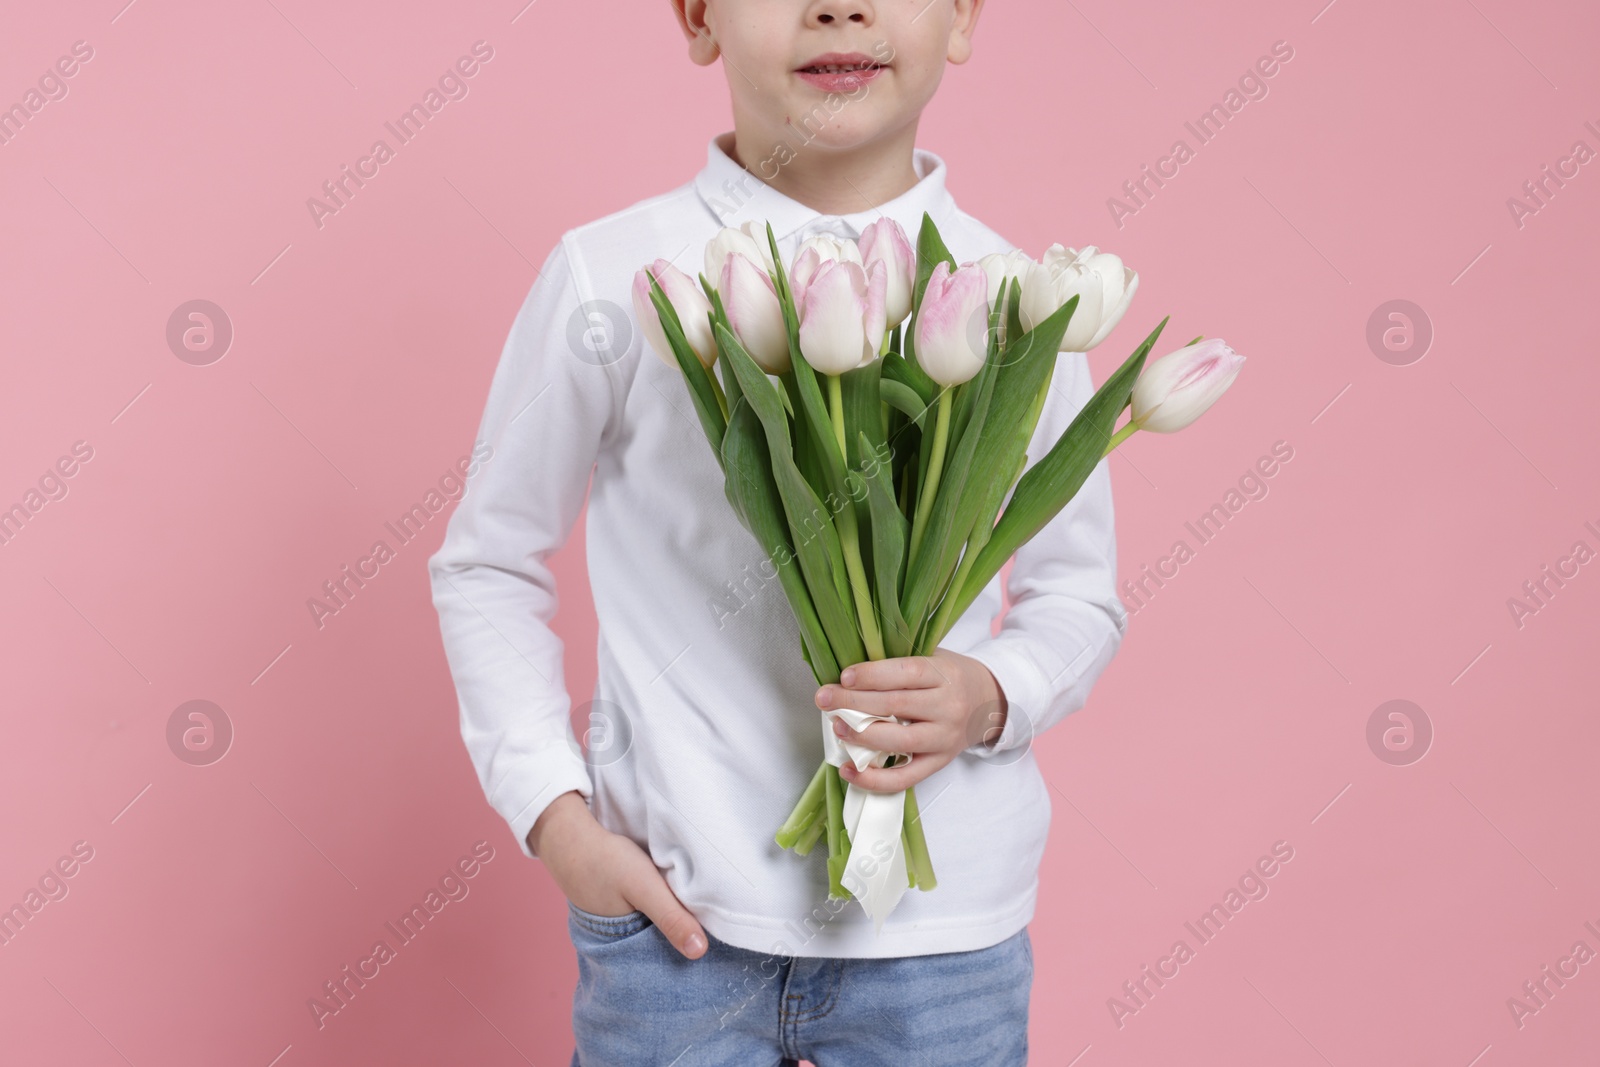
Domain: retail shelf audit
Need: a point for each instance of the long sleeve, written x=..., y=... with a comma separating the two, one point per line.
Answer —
x=548, y=410
x=1066, y=622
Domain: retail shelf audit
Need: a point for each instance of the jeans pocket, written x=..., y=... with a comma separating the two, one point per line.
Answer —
x=606, y=928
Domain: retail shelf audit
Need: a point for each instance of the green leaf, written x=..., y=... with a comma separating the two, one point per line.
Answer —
x=890, y=531
x=719, y=317
x=811, y=528
x=898, y=387
x=967, y=391
x=751, y=489
x=1051, y=483
x=815, y=428
x=903, y=398
x=1024, y=369
x=922, y=576
x=863, y=417
x=813, y=416
x=806, y=455
x=811, y=409
x=1014, y=310
x=859, y=390
x=694, y=372
x=1009, y=385
x=931, y=251
x=896, y=369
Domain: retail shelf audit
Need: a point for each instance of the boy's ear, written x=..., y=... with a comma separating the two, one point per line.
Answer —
x=692, y=20
x=961, y=29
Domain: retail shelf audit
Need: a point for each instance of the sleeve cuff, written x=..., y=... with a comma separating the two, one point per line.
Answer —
x=534, y=784
x=1025, y=691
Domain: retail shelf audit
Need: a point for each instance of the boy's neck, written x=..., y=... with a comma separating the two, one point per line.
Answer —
x=832, y=182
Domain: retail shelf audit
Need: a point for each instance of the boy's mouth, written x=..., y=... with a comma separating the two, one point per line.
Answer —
x=840, y=71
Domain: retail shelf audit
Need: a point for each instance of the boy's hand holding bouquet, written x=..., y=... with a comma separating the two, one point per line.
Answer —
x=871, y=419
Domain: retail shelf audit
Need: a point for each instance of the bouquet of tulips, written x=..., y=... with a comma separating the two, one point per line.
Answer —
x=872, y=415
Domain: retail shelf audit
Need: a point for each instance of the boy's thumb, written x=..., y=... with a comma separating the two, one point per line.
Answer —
x=657, y=900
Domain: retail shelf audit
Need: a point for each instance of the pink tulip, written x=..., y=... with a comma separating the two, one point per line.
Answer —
x=813, y=253
x=751, y=302
x=687, y=300
x=842, y=316
x=885, y=242
x=1178, y=388
x=953, y=324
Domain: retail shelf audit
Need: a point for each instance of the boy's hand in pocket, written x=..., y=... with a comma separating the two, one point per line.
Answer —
x=607, y=874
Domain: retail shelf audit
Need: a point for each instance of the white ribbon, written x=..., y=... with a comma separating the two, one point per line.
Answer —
x=875, y=872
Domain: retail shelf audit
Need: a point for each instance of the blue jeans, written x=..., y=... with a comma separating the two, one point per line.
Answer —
x=641, y=1004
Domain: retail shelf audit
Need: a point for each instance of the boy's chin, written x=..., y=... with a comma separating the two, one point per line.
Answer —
x=851, y=136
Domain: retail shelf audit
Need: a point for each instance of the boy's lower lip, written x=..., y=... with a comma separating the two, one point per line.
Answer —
x=841, y=81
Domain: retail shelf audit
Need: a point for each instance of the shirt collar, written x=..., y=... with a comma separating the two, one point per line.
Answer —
x=735, y=195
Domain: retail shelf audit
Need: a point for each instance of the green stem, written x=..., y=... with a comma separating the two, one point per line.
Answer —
x=941, y=622
x=930, y=485
x=850, y=539
x=836, y=409
x=918, y=863
x=866, y=616
x=838, y=840
x=1033, y=414
x=804, y=813
x=975, y=542
x=1119, y=437
x=808, y=839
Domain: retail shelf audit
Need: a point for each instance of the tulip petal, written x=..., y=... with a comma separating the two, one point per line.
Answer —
x=1179, y=387
x=694, y=310
x=749, y=240
x=874, y=317
x=952, y=324
x=751, y=302
x=883, y=241
x=1089, y=288
x=1113, y=314
x=831, y=333
x=806, y=265
x=644, y=312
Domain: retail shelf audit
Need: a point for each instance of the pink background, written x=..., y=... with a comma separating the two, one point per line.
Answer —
x=219, y=498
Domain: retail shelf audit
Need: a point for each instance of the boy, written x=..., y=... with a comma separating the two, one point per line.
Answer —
x=698, y=940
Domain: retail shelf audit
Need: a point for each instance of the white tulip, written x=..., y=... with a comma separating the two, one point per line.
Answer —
x=827, y=247
x=1103, y=285
x=998, y=266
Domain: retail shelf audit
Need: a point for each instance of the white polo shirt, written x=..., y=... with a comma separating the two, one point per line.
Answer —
x=703, y=730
